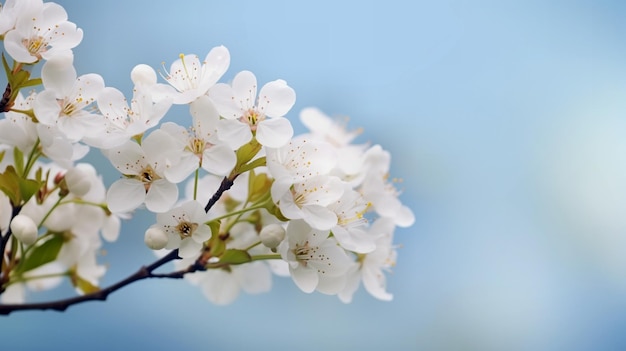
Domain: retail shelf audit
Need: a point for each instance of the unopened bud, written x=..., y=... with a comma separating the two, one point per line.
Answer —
x=155, y=238
x=24, y=229
x=143, y=74
x=77, y=182
x=272, y=235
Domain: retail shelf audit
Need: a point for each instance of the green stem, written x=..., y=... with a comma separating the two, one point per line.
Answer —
x=265, y=257
x=32, y=157
x=251, y=246
x=195, y=183
x=56, y=204
x=243, y=210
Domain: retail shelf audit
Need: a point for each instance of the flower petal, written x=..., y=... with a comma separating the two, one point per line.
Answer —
x=274, y=132
x=125, y=195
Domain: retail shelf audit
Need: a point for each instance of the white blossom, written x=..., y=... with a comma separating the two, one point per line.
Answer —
x=246, y=116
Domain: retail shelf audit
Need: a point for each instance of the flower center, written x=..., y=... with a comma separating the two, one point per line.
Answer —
x=304, y=253
x=35, y=45
x=185, y=229
x=252, y=117
x=147, y=176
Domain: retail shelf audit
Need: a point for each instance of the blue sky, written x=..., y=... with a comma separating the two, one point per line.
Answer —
x=506, y=120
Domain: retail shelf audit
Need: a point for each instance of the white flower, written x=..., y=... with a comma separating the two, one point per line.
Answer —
x=315, y=260
x=246, y=116
x=121, y=121
x=143, y=166
x=300, y=159
x=349, y=156
x=199, y=146
x=66, y=98
x=192, y=78
x=309, y=199
x=381, y=193
x=370, y=266
x=185, y=228
x=42, y=31
x=18, y=129
x=351, y=228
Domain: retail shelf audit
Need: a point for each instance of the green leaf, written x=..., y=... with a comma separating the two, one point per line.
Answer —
x=10, y=185
x=32, y=82
x=233, y=256
x=42, y=254
x=28, y=188
x=2, y=155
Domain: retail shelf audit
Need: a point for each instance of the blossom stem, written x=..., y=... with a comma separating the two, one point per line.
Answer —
x=234, y=213
x=32, y=157
x=195, y=183
x=251, y=246
x=56, y=204
x=265, y=257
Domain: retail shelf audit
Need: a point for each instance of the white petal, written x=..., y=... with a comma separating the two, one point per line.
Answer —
x=125, y=195
x=215, y=65
x=187, y=164
x=374, y=283
x=244, y=89
x=224, y=98
x=59, y=76
x=161, y=196
x=189, y=248
x=128, y=158
x=319, y=217
x=219, y=159
x=233, y=133
x=254, y=277
x=276, y=98
x=306, y=279
x=219, y=287
x=274, y=132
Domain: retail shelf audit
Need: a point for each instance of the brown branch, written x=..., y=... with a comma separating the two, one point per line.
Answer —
x=5, y=102
x=3, y=244
x=225, y=185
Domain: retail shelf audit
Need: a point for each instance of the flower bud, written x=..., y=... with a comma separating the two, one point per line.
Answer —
x=24, y=229
x=77, y=182
x=155, y=238
x=143, y=74
x=272, y=234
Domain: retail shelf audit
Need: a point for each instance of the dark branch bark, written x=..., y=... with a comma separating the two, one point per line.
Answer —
x=3, y=245
x=225, y=185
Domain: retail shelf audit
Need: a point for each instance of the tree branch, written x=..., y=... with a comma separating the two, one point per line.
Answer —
x=144, y=272
x=225, y=185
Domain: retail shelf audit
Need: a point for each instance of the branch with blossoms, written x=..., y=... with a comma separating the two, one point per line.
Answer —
x=236, y=197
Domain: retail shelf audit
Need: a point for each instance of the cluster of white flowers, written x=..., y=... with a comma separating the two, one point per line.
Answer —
x=257, y=200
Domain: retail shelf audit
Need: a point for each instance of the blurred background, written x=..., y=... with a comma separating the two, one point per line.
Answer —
x=506, y=120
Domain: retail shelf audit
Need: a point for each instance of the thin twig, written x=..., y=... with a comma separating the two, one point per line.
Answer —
x=143, y=273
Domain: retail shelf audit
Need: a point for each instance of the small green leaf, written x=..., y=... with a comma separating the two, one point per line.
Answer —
x=32, y=82
x=42, y=254
x=2, y=155
x=234, y=256
x=28, y=188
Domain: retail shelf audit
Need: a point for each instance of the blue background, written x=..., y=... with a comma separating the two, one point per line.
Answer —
x=506, y=120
